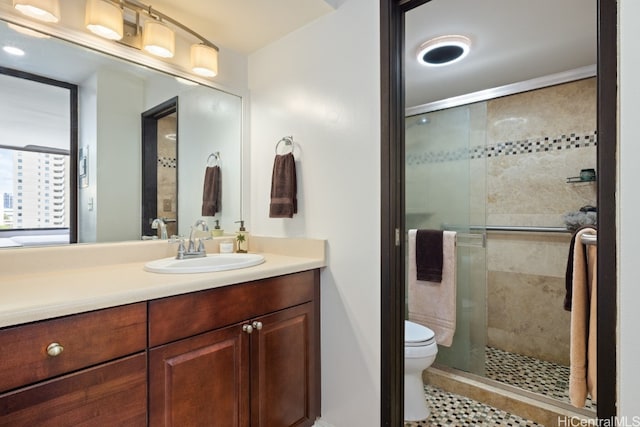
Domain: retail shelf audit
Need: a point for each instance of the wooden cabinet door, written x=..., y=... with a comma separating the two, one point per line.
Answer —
x=285, y=375
x=201, y=381
x=111, y=394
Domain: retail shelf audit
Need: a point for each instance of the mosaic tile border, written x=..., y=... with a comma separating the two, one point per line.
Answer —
x=167, y=162
x=509, y=148
x=452, y=410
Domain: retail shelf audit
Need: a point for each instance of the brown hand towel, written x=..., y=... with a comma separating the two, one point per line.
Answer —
x=429, y=255
x=434, y=304
x=284, y=202
x=212, y=192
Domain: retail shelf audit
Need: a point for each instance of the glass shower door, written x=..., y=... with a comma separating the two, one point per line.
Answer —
x=445, y=189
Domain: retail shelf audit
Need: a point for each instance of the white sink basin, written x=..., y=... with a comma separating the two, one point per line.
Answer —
x=210, y=263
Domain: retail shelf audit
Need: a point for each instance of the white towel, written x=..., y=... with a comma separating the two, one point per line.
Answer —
x=434, y=304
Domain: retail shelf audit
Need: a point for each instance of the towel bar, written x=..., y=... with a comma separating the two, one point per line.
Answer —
x=471, y=240
x=589, y=239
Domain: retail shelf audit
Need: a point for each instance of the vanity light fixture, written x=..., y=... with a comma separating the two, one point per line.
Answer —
x=153, y=31
x=444, y=50
x=105, y=19
x=204, y=60
x=158, y=39
x=43, y=10
x=134, y=24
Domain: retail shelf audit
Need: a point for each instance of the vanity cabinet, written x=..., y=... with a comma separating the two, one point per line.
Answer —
x=85, y=369
x=244, y=355
x=239, y=355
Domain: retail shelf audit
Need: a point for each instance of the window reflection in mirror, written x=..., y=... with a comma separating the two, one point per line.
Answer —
x=37, y=151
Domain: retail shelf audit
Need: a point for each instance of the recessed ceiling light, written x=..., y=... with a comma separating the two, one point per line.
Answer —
x=443, y=50
x=12, y=50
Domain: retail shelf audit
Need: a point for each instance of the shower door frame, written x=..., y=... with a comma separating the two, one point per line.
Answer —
x=393, y=202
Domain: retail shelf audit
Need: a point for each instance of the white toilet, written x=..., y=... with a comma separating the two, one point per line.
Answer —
x=420, y=350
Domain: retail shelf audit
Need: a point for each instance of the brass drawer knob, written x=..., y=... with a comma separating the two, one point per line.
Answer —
x=54, y=349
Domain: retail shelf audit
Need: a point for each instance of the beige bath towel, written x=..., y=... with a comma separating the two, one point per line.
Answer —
x=433, y=304
x=582, y=377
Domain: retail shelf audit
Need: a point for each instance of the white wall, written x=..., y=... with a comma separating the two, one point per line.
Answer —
x=119, y=155
x=629, y=206
x=321, y=84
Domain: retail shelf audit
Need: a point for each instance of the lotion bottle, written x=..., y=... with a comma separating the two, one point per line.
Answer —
x=242, y=238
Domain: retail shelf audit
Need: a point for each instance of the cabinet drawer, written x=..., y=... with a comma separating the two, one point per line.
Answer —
x=87, y=339
x=111, y=394
x=186, y=315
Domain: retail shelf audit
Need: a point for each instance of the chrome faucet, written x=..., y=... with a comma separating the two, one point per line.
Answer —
x=191, y=251
x=159, y=222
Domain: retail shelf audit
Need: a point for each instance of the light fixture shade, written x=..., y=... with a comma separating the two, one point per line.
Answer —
x=204, y=60
x=104, y=19
x=44, y=10
x=158, y=39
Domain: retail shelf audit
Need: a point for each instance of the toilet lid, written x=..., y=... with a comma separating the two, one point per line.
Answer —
x=417, y=335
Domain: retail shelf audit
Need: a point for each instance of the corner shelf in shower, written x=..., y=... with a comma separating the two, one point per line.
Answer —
x=577, y=180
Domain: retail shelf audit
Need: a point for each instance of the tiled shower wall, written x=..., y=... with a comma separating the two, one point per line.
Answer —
x=535, y=141
x=510, y=170
x=167, y=172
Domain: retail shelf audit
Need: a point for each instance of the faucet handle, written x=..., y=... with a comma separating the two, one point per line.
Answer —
x=181, y=250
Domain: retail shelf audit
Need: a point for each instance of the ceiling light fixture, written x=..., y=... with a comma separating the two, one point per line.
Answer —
x=12, y=50
x=105, y=19
x=43, y=10
x=444, y=50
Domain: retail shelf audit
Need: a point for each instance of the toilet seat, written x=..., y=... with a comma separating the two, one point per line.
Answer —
x=416, y=335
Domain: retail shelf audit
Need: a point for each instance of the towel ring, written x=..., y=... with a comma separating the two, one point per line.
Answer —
x=288, y=142
x=216, y=157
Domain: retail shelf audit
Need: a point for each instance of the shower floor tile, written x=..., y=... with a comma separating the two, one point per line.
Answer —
x=545, y=378
x=452, y=410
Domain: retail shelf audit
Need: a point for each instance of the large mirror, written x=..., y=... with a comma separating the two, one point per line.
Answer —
x=103, y=174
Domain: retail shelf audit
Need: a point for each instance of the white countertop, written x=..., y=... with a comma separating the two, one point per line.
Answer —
x=42, y=293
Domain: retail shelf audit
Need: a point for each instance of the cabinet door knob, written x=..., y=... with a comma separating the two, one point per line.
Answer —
x=247, y=328
x=257, y=325
x=54, y=349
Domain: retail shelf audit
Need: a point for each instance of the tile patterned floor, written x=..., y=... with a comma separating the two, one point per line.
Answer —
x=452, y=410
x=545, y=378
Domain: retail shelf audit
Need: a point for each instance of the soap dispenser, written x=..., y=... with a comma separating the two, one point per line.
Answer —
x=242, y=238
x=217, y=231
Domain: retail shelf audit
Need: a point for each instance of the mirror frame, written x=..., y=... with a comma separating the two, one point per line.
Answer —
x=393, y=201
x=73, y=139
